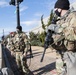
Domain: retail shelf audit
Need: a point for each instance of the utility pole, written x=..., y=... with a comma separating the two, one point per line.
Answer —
x=16, y=3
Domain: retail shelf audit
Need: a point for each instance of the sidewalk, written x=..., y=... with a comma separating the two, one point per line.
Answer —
x=48, y=64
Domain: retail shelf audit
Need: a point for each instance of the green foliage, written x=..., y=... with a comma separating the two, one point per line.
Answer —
x=49, y=20
x=37, y=39
x=42, y=37
x=34, y=39
x=43, y=25
x=35, y=43
x=43, y=34
x=31, y=35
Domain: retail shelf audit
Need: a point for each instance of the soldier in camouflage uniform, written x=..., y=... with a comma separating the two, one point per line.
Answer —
x=4, y=41
x=10, y=41
x=10, y=44
x=20, y=41
x=66, y=27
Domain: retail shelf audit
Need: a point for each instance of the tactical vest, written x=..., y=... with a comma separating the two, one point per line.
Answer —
x=68, y=25
x=68, y=28
x=19, y=42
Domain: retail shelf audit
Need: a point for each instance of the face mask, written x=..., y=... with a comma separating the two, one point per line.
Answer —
x=18, y=31
x=58, y=13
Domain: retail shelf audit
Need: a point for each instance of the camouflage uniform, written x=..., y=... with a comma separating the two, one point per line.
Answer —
x=19, y=49
x=67, y=27
x=10, y=44
x=4, y=42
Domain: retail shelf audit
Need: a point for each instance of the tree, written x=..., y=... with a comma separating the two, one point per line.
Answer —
x=39, y=39
x=35, y=39
x=49, y=20
x=44, y=26
x=32, y=36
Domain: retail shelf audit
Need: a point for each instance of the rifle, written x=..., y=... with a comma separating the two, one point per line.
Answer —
x=48, y=41
x=50, y=44
x=48, y=38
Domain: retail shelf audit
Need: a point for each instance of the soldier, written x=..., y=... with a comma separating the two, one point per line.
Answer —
x=66, y=28
x=4, y=41
x=10, y=41
x=10, y=44
x=20, y=41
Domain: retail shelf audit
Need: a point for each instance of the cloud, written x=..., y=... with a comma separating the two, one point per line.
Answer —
x=29, y=23
x=3, y=3
x=38, y=14
x=23, y=8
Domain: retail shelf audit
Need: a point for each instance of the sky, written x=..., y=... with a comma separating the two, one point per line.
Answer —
x=30, y=14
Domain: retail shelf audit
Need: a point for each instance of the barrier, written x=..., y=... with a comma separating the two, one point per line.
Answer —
x=1, y=56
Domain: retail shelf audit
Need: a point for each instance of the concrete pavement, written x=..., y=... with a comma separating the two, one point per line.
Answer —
x=48, y=64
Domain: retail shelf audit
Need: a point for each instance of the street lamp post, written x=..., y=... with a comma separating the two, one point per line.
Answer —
x=18, y=13
x=16, y=3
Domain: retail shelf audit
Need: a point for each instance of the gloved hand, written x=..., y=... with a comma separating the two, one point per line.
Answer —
x=53, y=27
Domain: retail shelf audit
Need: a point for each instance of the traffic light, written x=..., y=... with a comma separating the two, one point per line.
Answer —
x=20, y=1
x=12, y=2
